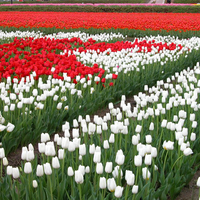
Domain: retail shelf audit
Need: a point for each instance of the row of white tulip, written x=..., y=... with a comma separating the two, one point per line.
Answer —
x=123, y=148
x=78, y=34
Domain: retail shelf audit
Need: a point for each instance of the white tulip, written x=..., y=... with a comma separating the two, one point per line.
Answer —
x=27, y=168
x=55, y=163
x=146, y=173
x=108, y=167
x=118, y=191
x=99, y=168
x=39, y=170
x=135, y=189
x=47, y=169
x=102, y=183
x=70, y=171
x=111, y=184
x=188, y=151
x=15, y=172
x=35, y=184
x=79, y=177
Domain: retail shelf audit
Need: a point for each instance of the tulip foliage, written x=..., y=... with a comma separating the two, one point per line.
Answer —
x=54, y=82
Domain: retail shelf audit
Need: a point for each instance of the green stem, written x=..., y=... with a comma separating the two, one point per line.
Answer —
x=1, y=168
x=120, y=140
x=176, y=161
x=165, y=161
x=119, y=176
x=18, y=189
x=79, y=188
x=126, y=142
x=41, y=188
x=50, y=186
x=160, y=140
x=63, y=165
x=72, y=188
x=126, y=192
x=137, y=173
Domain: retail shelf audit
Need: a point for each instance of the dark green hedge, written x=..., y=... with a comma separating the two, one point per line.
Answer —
x=120, y=9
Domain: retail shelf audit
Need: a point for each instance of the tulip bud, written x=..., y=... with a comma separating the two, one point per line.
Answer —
x=111, y=184
x=75, y=132
x=5, y=161
x=188, y=151
x=147, y=159
x=108, y=167
x=50, y=149
x=151, y=127
x=118, y=191
x=82, y=149
x=87, y=169
x=9, y=170
x=61, y=154
x=27, y=168
x=130, y=179
x=78, y=177
x=97, y=157
x=2, y=127
x=105, y=144
x=146, y=173
x=12, y=107
x=81, y=168
x=198, y=182
x=65, y=142
x=35, y=184
x=164, y=123
x=135, y=140
x=192, y=117
x=112, y=138
x=138, y=160
x=10, y=127
x=102, y=183
x=30, y=155
x=154, y=152
x=194, y=124
x=148, y=139
x=193, y=137
x=55, y=163
x=71, y=146
x=99, y=168
x=138, y=129
x=91, y=148
x=135, y=189
x=116, y=172
x=120, y=158
x=70, y=171
x=168, y=145
x=2, y=153
x=47, y=169
x=39, y=170
x=15, y=172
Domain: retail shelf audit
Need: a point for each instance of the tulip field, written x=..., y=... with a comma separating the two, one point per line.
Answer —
x=52, y=85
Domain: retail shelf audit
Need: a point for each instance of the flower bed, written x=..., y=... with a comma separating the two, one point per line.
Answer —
x=55, y=81
x=143, y=151
x=74, y=76
x=150, y=21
